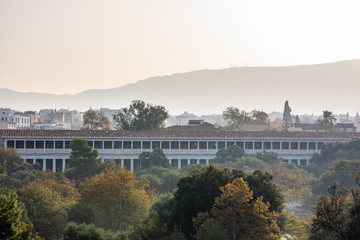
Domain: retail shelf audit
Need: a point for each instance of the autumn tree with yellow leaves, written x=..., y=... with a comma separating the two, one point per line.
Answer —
x=242, y=216
x=119, y=199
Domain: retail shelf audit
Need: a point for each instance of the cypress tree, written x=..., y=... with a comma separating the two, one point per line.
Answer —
x=287, y=111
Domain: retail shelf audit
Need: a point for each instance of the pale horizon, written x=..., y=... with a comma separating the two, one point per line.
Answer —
x=67, y=47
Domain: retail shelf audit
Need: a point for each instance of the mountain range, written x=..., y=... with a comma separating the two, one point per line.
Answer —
x=308, y=88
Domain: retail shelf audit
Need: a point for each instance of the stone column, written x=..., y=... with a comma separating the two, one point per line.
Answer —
x=63, y=165
x=179, y=164
x=122, y=163
x=188, y=162
x=44, y=165
x=197, y=161
x=132, y=165
x=54, y=165
x=34, y=161
x=207, y=161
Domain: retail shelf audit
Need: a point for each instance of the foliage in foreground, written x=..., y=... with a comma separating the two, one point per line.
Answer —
x=11, y=224
x=164, y=180
x=240, y=215
x=119, y=200
x=337, y=216
x=197, y=193
x=84, y=231
x=45, y=209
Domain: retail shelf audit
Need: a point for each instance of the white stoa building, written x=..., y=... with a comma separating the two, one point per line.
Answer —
x=51, y=148
x=21, y=120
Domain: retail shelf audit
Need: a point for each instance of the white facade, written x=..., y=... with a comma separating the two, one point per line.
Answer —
x=9, y=115
x=51, y=148
x=7, y=125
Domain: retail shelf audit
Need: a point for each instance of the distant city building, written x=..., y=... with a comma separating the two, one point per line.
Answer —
x=7, y=125
x=345, y=127
x=52, y=126
x=34, y=117
x=255, y=126
x=304, y=127
x=276, y=125
x=196, y=125
x=59, y=119
x=21, y=120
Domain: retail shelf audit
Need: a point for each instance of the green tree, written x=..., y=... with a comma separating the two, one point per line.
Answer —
x=154, y=158
x=260, y=116
x=231, y=154
x=332, y=152
x=154, y=226
x=117, y=198
x=141, y=116
x=162, y=179
x=295, y=228
x=9, y=159
x=83, y=231
x=84, y=161
x=332, y=219
x=327, y=121
x=211, y=231
x=263, y=186
x=45, y=209
x=197, y=193
x=10, y=216
x=294, y=183
x=11, y=224
x=343, y=172
x=95, y=121
x=235, y=119
x=18, y=173
x=248, y=164
x=268, y=157
x=81, y=213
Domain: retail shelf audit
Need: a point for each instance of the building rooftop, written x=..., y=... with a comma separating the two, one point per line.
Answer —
x=5, y=133
x=197, y=125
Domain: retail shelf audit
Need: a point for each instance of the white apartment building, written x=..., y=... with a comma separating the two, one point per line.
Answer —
x=21, y=121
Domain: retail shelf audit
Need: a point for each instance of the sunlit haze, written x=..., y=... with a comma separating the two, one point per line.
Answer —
x=71, y=46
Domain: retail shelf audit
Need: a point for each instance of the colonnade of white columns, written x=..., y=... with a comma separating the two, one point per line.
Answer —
x=44, y=160
x=122, y=163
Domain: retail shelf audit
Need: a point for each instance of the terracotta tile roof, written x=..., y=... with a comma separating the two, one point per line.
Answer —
x=6, y=133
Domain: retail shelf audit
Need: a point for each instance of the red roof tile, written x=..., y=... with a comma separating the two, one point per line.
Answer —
x=6, y=133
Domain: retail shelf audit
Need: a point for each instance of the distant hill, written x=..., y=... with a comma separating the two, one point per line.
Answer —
x=308, y=88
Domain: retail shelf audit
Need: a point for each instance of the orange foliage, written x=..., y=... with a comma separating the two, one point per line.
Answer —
x=63, y=186
x=118, y=199
x=242, y=216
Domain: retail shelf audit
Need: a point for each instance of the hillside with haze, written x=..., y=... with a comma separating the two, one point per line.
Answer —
x=309, y=89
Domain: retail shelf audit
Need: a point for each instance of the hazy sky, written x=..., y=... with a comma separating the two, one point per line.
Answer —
x=69, y=46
